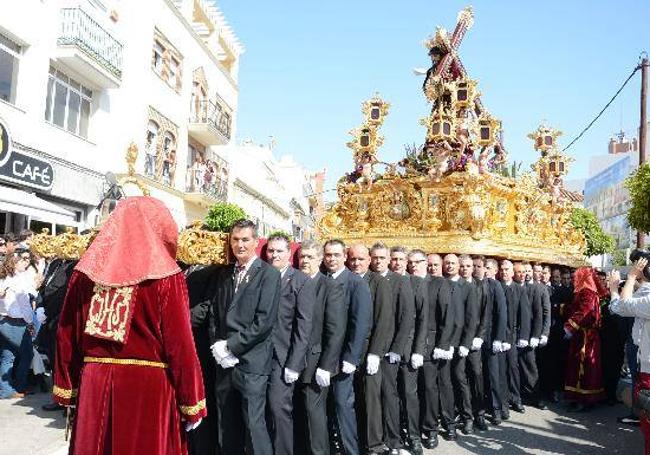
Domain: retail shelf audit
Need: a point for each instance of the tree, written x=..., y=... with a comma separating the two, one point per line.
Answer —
x=638, y=184
x=598, y=242
x=222, y=215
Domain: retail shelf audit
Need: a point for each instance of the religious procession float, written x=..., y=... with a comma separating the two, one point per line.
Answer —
x=454, y=193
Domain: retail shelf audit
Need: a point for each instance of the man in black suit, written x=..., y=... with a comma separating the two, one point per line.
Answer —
x=329, y=318
x=527, y=362
x=51, y=296
x=242, y=302
x=495, y=336
x=290, y=340
x=374, y=348
x=517, y=337
x=438, y=353
x=399, y=351
x=358, y=305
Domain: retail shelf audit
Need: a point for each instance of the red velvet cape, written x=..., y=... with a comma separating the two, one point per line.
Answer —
x=126, y=407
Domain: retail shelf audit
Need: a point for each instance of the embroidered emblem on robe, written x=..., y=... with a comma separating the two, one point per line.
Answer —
x=110, y=313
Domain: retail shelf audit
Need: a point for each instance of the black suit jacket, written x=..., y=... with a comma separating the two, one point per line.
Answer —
x=498, y=318
x=519, y=317
x=466, y=311
x=358, y=305
x=291, y=333
x=403, y=314
x=329, y=320
x=440, y=316
x=546, y=308
x=535, y=299
x=245, y=318
x=383, y=321
x=420, y=287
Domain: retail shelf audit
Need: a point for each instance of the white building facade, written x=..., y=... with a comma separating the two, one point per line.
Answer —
x=82, y=80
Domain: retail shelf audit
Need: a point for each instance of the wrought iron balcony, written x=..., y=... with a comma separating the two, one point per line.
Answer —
x=82, y=32
x=210, y=122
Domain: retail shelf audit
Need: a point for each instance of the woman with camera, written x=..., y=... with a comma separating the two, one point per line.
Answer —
x=636, y=304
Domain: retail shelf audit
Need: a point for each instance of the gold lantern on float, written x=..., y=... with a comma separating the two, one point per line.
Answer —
x=463, y=94
x=487, y=128
x=375, y=110
x=441, y=126
x=545, y=138
x=557, y=164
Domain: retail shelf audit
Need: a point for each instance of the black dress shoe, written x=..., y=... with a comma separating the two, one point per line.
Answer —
x=540, y=405
x=52, y=407
x=555, y=397
x=468, y=427
x=431, y=442
x=451, y=435
x=393, y=452
x=481, y=424
x=517, y=407
x=505, y=414
x=416, y=447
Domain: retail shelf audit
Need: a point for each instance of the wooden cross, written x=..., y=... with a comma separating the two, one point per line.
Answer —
x=450, y=64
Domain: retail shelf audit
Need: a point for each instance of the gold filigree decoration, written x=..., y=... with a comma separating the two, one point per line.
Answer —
x=136, y=362
x=109, y=312
x=131, y=158
x=199, y=246
x=42, y=244
x=66, y=394
x=193, y=410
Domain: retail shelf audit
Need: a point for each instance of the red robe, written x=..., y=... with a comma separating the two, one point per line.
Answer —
x=131, y=398
x=583, y=379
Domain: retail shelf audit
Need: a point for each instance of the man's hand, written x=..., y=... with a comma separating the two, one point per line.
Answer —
x=463, y=351
x=192, y=426
x=219, y=350
x=637, y=270
x=522, y=344
x=417, y=360
x=393, y=358
x=439, y=354
x=534, y=342
x=505, y=347
x=323, y=377
x=40, y=315
x=477, y=343
x=290, y=376
x=372, y=364
x=348, y=368
x=614, y=279
x=543, y=340
x=497, y=347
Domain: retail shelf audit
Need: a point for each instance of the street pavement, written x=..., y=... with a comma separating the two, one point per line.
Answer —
x=25, y=429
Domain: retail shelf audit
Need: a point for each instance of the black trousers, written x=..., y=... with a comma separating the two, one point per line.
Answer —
x=369, y=408
x=439, y=395
x=474, y=364
x=390, y=397
x=461, y=387
x=514, y=381
x=528, y=374
x=241, y=404
x=344, y=419
x=408, y=381
x=316, y=437
x=613, y=352
x=280, y=400
x=554, y=355
x=492, y=377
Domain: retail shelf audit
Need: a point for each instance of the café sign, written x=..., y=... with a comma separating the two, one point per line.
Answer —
x=20, y=168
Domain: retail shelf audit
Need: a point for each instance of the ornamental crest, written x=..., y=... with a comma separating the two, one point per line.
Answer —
x=110, y=313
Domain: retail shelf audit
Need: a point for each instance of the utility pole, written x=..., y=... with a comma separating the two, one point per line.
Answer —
x=643, y=130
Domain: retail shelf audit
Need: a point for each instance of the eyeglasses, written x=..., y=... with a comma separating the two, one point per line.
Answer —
x=23, y=258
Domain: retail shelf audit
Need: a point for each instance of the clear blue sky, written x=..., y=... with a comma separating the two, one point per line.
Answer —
x=309, y=65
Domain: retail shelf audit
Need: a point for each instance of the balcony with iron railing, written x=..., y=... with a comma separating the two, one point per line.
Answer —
x=89, y=48
x=210, y=122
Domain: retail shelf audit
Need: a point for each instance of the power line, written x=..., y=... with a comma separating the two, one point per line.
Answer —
x=637, y=68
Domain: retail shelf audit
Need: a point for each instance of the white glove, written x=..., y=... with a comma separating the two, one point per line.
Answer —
x=417, y=360
x=522, y=344
x=290, y=376
x=40, y=315
x=505, y=347
x=192, y=426
x=393, y=358
x=439, y=354
x=567, y=334
x=228, y=362
x=450, y=353
x=348, y=368
x=372, y=364
x=220, y=350
x=463, y=351
x=476, y=344
x=543, y=340
x=322, y=377
x=534, y=342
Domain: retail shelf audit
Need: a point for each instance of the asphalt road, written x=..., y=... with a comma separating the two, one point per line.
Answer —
x=27, y=430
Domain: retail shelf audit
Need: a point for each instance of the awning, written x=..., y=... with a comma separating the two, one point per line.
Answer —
x=19, y=201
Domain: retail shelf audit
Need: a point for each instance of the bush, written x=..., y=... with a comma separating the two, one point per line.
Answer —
x=280, y=233
x=222, y=215
x=598, y=242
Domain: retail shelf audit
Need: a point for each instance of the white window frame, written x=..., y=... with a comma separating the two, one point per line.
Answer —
x=17, y=54
x=49, y=116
